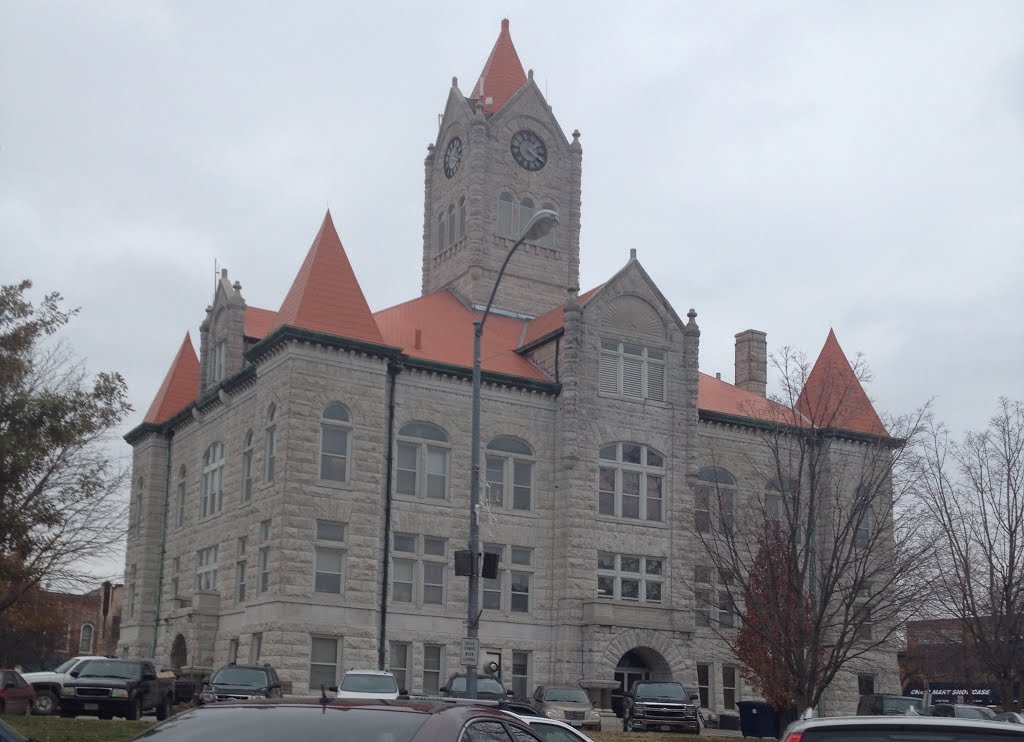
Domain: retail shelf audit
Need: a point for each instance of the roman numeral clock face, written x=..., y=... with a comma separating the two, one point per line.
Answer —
x=453, y=157
x=529, y=150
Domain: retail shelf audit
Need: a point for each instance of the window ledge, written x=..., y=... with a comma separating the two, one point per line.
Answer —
x=334, y=484
x=660, y=404
x=436, y=501
x=634, y=521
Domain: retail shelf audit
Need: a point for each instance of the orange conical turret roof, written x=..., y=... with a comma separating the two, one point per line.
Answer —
x=502, y=75
x=180, y=387
x=833, y=396
x=325, y=295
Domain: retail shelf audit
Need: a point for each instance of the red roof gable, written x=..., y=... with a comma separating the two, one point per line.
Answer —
x=180, y=387
x=833, y=397
x=438, y=327
x=325, y=296
x=258, y=322
x=502, y=75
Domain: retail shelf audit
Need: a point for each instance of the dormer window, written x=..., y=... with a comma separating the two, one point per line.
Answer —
x=632, y=371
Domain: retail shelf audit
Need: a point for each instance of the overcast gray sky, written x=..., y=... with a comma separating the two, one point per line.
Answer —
x=787, y=166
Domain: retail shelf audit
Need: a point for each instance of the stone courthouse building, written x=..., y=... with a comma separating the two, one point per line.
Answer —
x=300, y=486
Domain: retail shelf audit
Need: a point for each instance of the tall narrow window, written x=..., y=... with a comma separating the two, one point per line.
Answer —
x=521, y=674
x=220, y=360
x=452, y=225
x=509, y=468
x=323, y=662
x=179, y=510
x=270, y=454
x=398, y=663
x=256, y=648
x=433, y=666
x=213, y=480
x=329, y=556
x=729, y=687
x=422, y=461
x=506, y=215
x=175, y=580
x=247, y=469
x=525, y=214
x=240, y=581
x=85, y=642
x=491, y=586
x=631, y=480
x=232, y=651
x=442, y=231
x=263, y=563
x=704, y=684
x=334, y=443
x=548, y=240
x=519, y=580
x=462, y=218
x=130, y=591
x=715, y=490
x=137, y=520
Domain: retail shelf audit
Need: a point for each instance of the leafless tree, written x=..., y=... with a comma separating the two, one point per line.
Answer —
x=973, y=491
x=816, y=557
x=61, y=490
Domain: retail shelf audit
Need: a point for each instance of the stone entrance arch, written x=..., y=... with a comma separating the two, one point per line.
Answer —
x=639, y=654
x=179, y=653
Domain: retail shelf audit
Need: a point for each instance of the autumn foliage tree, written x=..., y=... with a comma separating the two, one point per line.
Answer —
x=61, y=499
x=33, y=628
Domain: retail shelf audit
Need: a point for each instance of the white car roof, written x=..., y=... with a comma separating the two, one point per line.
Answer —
x=369, y=672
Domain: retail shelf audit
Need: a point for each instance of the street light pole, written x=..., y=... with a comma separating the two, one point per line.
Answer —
x=542, y=222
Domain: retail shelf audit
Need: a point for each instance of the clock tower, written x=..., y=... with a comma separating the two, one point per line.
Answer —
x=499, y=156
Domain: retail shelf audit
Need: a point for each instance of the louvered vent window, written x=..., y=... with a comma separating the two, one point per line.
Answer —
x=632, y=371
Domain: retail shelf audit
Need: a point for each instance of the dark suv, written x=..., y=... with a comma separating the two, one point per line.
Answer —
x=487, y=687
x=241, y=683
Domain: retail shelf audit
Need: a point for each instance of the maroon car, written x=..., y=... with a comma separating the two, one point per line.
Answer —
x=16, y=695
x=331, y=719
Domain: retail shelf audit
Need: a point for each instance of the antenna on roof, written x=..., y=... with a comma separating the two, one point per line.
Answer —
x=216, y=274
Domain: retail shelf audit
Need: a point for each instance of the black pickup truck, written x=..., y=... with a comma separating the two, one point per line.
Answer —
x=113, y=687
x=660, y=707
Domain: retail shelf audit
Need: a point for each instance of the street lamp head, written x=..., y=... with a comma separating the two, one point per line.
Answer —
x=542, y=222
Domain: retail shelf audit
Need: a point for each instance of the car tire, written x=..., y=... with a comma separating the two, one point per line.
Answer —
x=134, y=710
x=163, y=710
x=45, y=703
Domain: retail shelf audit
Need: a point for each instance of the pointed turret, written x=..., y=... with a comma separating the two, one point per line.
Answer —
x=180, y=387
x=325, y=295
x=502, y=75
x=833, y=396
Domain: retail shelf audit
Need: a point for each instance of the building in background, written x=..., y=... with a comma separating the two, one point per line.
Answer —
x=300, y=485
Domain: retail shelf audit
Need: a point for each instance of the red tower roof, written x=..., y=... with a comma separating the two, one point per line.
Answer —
x=180, y=387
x=325, y=295
x=833, y=397
x=502, y=75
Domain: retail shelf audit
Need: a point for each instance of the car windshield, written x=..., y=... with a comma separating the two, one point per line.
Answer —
x=358, y=683
x=566, y=695
x=897, y=705
x=244, y=676
x=110, y=669
x=669, y=691
x=65, y=666
x=309, y=723
x=483, y=685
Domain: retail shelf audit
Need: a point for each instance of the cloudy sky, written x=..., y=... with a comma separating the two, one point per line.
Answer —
x=786, y=166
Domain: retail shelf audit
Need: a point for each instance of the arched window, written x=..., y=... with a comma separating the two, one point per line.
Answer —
x=247, y=468
x=716, y=489
x=334, y=443
x=442, y=234
x=631, y=482
x=462, y=217
x=213, y=480
x=85, y=640
x=509, y=464
x=548, y=240
x=452, y=225
x=179, y=515
x=506, y=215
x=525, y=214
x=422, y=466
x=270, y=452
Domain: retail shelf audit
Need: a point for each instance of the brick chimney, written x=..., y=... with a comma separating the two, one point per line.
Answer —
x=752, y=361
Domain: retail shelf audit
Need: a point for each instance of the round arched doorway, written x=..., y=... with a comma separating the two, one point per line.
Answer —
x=640, y=663
x=179, y=653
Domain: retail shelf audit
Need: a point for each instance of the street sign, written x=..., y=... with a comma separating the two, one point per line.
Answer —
x=470, y=652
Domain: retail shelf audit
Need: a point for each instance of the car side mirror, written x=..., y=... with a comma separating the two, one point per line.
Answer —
x=205, y=679
x=510, y=693
x=73, y=673
x=443, y=689
x=694, y=696
x=332, y=688
x=403, y=691
x=149, y=676
x=593, y=704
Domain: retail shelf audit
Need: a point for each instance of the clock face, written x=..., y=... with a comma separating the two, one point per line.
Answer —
x=453, y=157
x=528, y=150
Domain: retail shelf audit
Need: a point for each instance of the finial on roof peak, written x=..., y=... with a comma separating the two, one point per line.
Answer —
x=692, y=315
x=529, y=74
x=455, y=81
x=504, y=24
x=575, y=133
x=632, y=253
